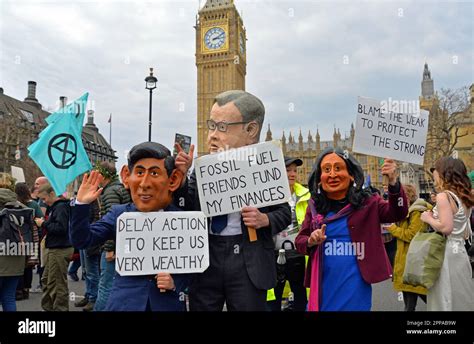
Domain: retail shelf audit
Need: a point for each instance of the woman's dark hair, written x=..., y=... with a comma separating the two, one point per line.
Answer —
x=374, y=190
x=355, y=195
x=454, y=176
x=22, y=192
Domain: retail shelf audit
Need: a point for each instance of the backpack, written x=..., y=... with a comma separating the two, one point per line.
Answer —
x=16, y=223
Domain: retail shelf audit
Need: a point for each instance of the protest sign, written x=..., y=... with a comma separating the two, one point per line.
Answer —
x=17, y=173
x=385, y=133
x=253, y=175
x=173, y=242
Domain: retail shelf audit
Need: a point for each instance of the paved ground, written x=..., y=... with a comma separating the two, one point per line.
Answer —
x=76, y=292
x=384, y=297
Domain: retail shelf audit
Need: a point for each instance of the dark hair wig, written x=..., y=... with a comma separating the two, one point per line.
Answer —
x=355, y=195
x=151, y=150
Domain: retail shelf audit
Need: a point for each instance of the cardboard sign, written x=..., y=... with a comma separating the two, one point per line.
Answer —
x=17, y=173
x=385, y=133
x=173, y=242
x=253, y=175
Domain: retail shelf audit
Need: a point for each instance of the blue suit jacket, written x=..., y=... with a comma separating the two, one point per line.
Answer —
x=129, y=293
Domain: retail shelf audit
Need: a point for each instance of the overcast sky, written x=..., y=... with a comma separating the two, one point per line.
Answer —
x=307, y=60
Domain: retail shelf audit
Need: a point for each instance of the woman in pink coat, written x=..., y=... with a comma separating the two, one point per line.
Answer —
x=341, y=233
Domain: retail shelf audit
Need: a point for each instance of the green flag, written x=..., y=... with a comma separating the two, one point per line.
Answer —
x=59, y=151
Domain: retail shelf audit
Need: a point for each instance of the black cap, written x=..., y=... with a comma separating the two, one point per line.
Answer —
x=289, y=161
x=147, y=150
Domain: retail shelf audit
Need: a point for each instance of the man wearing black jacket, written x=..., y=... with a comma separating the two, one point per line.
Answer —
x=59, y=251
x=240, y=271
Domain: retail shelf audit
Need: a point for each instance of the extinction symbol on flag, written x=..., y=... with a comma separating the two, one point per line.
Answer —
x=59, y=151
x=65, y=147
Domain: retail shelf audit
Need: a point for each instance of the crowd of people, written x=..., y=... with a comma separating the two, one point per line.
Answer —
x=55, y=258
x=336, y=212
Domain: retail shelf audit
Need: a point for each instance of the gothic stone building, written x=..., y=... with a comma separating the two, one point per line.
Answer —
x=309, y=150
x=21, y=121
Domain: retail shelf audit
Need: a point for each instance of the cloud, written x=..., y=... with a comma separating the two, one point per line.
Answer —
x=307, y=60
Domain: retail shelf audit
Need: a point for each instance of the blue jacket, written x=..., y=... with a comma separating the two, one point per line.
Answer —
x=129, y=293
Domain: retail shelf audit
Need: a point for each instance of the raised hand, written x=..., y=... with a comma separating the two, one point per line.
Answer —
x=317, y=237
x=89, y=189
x=184, y=160
x=389, y=168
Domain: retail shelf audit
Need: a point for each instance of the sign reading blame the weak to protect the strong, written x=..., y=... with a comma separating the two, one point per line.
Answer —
x=384, y=132
x=253, y=175
x=173, y=242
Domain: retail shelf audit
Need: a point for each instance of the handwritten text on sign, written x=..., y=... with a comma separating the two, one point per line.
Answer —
x=173, y=242
x=253, y=175
x=384, y=133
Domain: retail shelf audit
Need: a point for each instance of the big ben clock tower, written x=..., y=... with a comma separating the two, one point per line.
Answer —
x=220, y=58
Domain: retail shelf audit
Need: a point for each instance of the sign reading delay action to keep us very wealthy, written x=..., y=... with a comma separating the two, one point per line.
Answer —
x=173, y=242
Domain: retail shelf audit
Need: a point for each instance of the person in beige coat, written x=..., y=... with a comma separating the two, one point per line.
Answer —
x=404, y=231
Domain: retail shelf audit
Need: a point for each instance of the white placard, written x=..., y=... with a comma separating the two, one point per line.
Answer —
x=17, y=173
x=253, y=175
x=382, y=132
x=173, y=242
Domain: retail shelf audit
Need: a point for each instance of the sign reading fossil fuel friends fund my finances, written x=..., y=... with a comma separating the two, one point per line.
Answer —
x=253, y=175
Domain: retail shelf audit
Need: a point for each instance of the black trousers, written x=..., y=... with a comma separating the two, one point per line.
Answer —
x=294, y=274
x=410, y=300
x=26, y=279
x=391, y=249
x=225, y=280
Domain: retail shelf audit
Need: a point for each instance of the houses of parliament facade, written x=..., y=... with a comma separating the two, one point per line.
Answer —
x=309, y=150
x=221, y=65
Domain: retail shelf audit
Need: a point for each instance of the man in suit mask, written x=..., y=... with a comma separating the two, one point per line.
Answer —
x=240, y=271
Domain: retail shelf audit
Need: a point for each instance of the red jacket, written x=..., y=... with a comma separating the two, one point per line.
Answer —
x=364, y=227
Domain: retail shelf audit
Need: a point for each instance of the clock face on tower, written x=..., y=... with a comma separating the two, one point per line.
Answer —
x=214, y=38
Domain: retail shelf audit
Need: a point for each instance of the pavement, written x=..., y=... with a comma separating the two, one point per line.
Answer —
x=384, y=297
x=76, y=292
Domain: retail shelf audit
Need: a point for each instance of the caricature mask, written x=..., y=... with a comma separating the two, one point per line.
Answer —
x=150, y=186
x=150, y=181
x=335, y=178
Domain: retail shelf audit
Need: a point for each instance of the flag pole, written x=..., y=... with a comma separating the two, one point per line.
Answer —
x=110, y=130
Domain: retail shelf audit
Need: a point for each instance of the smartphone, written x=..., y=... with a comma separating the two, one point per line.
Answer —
x=184, y=141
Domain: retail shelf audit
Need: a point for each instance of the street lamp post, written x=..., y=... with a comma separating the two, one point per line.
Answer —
x=150, y=82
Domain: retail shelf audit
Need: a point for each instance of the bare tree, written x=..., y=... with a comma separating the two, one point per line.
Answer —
x=456, y=104
x=446, y=116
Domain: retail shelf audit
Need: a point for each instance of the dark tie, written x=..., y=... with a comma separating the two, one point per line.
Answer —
x=218, y=223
